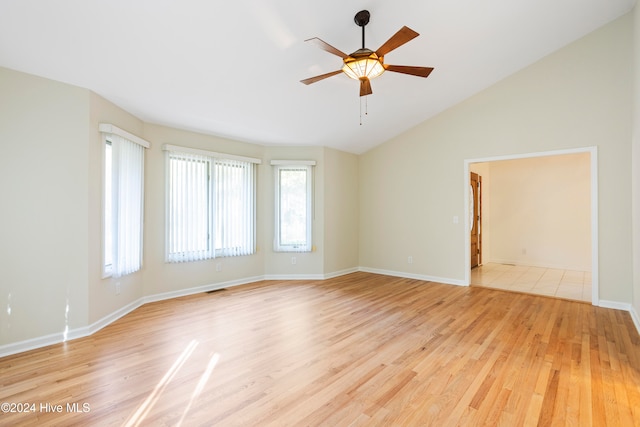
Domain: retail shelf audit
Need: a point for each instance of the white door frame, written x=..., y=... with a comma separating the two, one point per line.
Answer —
x=595, y=286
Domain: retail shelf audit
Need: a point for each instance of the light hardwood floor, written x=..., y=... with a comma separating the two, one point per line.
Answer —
x=357, y=350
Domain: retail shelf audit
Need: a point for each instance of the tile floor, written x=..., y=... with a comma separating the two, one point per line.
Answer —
x=567, y=284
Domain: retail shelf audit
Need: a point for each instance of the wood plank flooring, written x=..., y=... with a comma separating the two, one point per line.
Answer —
x=357, y=350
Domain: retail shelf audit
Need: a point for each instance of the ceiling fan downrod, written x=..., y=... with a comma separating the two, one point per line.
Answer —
x=361, y=19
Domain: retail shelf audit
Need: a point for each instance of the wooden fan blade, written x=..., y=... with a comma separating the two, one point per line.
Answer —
x=398, y=39
x=320, y=77
x=414, y=71
x=365, y=87
x=327, y=47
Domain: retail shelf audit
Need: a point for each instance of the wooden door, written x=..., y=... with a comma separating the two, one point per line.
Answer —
x=475, y=216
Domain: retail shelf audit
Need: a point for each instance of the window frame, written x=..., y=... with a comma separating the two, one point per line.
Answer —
x=107, y=221
x=284, y=165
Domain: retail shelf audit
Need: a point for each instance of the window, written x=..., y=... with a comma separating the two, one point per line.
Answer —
x=123, y=201
x=210, y=205
x=293, y=207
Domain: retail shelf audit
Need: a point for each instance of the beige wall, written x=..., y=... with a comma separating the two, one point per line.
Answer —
x=44, y=188
x=340, y=211
x=537, y=211
x=411, y=187
x=636, y=165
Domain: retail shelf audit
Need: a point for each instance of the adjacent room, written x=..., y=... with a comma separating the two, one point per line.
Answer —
x=259, y=213
x=534, y=216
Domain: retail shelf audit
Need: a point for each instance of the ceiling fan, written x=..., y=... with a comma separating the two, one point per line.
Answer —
x=365, y=64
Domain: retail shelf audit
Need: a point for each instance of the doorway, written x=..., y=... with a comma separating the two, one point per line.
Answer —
x=510, y=244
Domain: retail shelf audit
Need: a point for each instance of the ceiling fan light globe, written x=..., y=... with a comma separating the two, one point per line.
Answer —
x=360, y=66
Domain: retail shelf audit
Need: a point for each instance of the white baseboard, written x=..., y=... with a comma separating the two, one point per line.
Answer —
x=57, y=338
x=624, y=307
x=614, y=305
x=445, y=280
x=112, y=317
x=294, y=277
x=200, y=289
x=341, y=273
x=31, y=344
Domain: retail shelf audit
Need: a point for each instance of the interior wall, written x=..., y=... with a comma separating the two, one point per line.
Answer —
x=340, y=212
x=636, y=165
x=44, y=128
x=540, y=211
x=413, y=187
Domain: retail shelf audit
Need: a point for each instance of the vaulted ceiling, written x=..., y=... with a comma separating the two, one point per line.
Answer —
x=233, y=68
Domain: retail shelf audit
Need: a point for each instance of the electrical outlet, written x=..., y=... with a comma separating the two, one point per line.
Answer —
x=219, y=266
x=118, y=288
x=410, y=260
x=293, y=260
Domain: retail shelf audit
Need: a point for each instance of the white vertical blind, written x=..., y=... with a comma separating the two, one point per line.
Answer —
x=235, y=207
x=127, y=205
x=189, y=208
x=210, y=206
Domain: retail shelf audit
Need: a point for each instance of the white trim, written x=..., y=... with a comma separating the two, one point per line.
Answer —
x=60, y=337
x=179, y=149
x=340, y=273
x=294, y=277
x=112, y=317
x=200, y=289
x=43, y=341
x=278, y=246
x=293, y=162
x=615, y=305
x=595, y=285
x=112, y=129
x=426, y=278
x=595, y=262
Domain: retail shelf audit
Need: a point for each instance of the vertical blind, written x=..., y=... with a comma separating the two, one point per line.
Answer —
x=188, y=209
x=127, y=205
x=235, y=207
x=210, y=205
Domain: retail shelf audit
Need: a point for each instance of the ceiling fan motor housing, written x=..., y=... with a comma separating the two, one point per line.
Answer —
x=362, y=18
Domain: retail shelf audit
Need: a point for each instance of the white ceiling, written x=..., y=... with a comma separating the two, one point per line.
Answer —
x=233, y=68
